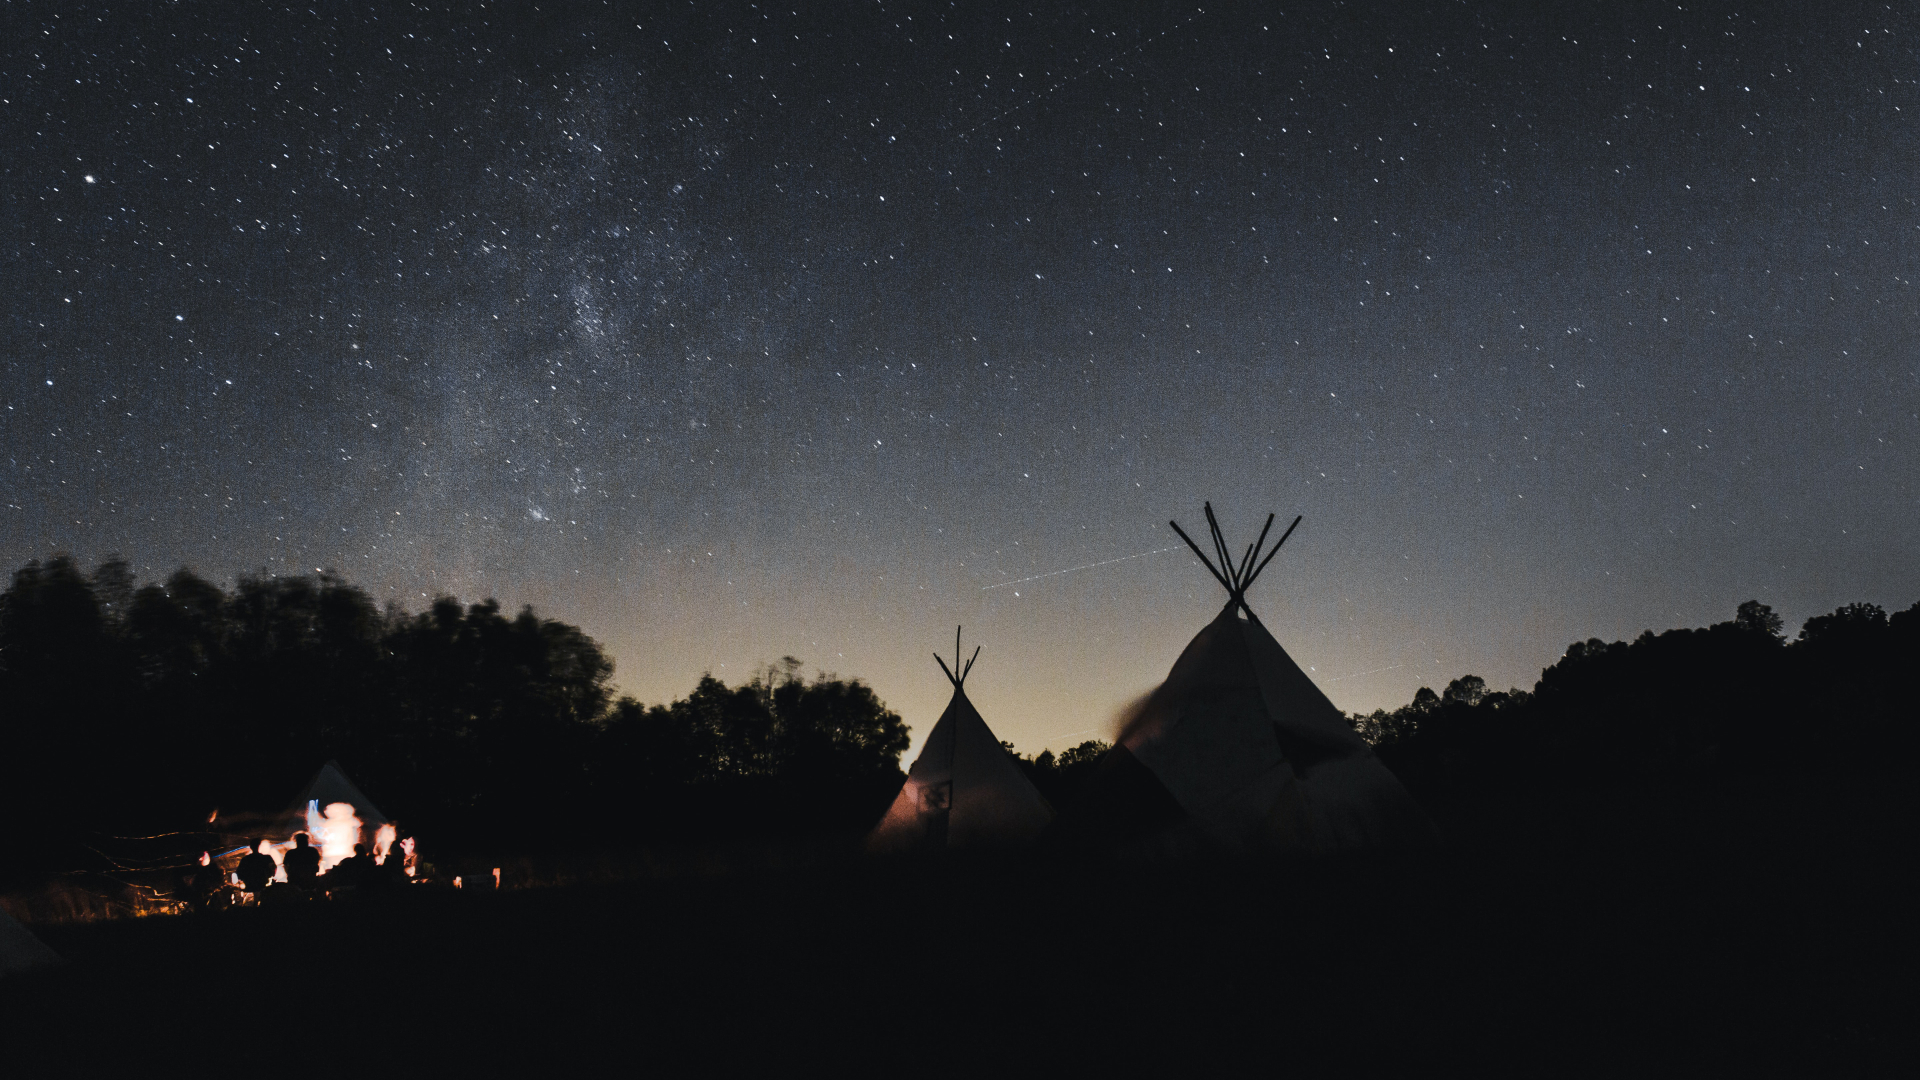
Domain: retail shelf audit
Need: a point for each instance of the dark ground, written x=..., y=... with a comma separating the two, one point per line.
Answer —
x=1637, y=951
x=1592, y=967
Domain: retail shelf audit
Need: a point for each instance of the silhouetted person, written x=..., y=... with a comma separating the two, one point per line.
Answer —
x=356, y=871
x=256, y=870
x=208, y=879
x=394, y=870
x=302, y=863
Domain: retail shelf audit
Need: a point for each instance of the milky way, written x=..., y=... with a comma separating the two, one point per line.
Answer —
x=730, y=333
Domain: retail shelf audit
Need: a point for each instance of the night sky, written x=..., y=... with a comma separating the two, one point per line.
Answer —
x=729, y=332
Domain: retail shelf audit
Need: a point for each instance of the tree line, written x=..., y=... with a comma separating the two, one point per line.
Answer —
x=130, y=709
x=1735, y=703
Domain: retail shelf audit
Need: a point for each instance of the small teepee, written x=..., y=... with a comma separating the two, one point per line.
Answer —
x=1238, y=750
x=964, y=789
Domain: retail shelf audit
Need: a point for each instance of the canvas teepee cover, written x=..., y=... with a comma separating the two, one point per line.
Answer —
x=20, y=951
x=963, y=790
x=1253, y=753
x=328, y=786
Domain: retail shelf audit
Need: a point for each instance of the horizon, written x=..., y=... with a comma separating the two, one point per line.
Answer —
x=920, y=716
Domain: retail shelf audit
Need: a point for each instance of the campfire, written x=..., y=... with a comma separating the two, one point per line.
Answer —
x=175, y=872
x=333, y=830
x=335, y=817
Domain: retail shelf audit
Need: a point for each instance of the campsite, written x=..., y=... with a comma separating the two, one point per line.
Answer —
x=1241, y=880
x=1336, y=538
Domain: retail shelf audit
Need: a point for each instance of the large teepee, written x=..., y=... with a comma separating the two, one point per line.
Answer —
x=963, y=790
x=1238, y=750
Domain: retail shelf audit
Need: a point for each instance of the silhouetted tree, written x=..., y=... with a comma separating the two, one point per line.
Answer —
x=1755, y=617
x=1468, y=690
x=779, y=753
x=833, y=730
x=1060, y=778
x=492, y=722
x=58, y=689
x=1680, y=709
x=130, y=709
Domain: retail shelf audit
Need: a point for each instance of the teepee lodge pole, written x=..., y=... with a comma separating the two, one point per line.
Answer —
x=1220, y=547
x=1204, y=561
x=1234, y=577
x=1254, y=553
x=957, y=674
x=1276, y=546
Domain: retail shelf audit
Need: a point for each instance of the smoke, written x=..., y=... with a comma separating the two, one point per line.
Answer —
x=1142, y=717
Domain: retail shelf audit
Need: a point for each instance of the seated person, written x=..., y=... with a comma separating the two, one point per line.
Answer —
x=393, y=872
x=207, y=880
x=355, y=871
x=302, y=863
x=256, y=870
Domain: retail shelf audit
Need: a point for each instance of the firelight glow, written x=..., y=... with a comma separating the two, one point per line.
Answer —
x=334, y=831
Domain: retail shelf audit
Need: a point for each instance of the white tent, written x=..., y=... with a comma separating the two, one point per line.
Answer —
x=328, y=786
x=315, y=811
x=963, y=790
x=1254, y=754
x=20, y=951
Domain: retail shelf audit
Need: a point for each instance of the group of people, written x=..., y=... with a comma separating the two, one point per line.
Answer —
x=358, y=872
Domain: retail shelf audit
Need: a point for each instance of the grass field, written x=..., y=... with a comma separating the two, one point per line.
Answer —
x=1622, y=959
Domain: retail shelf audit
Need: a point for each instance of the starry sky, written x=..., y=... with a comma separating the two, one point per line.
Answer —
x=730, y=331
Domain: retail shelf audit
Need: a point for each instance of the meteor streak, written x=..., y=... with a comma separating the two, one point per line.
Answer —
x=1071, y=569
x=1357, y=674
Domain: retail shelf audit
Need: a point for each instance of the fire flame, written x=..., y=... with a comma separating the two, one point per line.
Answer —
x=334, y=831
x=383, y=839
